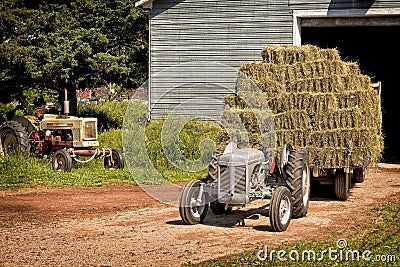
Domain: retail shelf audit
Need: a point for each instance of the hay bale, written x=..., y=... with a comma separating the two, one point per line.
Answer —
x=318, y=102
x=287, y=54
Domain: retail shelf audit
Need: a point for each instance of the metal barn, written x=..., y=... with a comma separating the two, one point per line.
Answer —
x=196, y=47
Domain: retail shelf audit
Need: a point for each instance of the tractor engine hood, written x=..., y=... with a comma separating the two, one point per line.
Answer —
x=240, y=157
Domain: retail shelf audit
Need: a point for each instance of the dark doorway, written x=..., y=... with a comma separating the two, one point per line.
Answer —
x=377, y=50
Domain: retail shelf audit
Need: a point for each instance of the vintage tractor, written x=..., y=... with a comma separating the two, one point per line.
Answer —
x=240, y=175
x=66, y=138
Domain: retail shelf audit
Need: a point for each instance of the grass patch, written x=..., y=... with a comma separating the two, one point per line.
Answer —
x=111, y=138
x=18, y=172
x=181, y=154
x=378, y=242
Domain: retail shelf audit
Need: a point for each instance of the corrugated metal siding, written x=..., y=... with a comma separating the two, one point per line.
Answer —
x=342, y=4
x=223, y=33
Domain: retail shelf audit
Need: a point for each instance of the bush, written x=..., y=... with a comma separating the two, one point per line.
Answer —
x=5, y=111
x=109, y=114
x=180, y=158
x=111, y=139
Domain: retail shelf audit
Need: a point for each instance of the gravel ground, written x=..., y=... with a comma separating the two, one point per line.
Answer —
x=124, y=226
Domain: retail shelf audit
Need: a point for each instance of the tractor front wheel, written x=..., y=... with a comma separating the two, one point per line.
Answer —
x=193, y=205
x=62, y=161
x=280, y=209
x=115, y=160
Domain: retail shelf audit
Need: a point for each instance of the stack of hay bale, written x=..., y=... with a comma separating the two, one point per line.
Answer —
x=318, y=102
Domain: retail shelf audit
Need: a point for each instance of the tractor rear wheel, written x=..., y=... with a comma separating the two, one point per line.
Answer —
x=280, y=209
x=14, y=138
x=192, y=209
x=298, y=181
x=213, y=165
x=62, y=161
x=115, y=160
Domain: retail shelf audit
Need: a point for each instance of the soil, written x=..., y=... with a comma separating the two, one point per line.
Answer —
x=123, y=226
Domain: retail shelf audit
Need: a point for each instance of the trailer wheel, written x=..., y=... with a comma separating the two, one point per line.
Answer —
x=298, y=181
x=14, y=138
x=280, y=209
x=62, y=161
x=342, y=185
x=359, y=175
x=115, y=161
x=192, y=210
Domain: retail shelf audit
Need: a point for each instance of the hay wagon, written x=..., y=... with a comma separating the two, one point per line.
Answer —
x=319, y=103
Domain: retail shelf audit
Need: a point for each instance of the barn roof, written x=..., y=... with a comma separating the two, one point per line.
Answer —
x=144, y=3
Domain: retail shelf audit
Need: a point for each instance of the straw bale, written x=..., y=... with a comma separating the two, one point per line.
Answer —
x=341, y=118
x=287, y=54
x=350, y=68
x=293, y=119
x=328, y=54
x=235, y=101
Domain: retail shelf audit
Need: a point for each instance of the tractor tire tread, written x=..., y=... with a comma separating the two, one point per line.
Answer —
x=20, y=133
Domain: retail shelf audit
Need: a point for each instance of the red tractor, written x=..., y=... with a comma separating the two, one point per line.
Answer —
x=64, y=137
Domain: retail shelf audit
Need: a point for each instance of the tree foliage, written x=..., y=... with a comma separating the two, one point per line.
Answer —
x=52, y=45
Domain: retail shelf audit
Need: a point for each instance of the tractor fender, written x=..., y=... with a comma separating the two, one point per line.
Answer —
x=284, y=158
x=28, y=122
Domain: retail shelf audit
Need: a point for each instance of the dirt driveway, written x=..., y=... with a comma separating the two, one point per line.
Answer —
x=123, y=226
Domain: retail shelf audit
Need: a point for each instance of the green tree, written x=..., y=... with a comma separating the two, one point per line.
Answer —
x=55, y=45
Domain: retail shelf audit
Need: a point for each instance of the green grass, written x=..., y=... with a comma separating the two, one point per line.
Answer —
x=189, y=151
x=19, y=172
x=380, y=241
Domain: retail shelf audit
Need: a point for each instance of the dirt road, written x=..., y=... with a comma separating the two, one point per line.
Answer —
x=123, y=226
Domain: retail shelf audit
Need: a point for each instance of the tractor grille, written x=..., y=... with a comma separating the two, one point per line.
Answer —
x=90, y=130
x=238, y=182
x=240, y=179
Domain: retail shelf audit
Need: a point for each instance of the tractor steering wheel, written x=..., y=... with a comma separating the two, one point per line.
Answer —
x=244, y=144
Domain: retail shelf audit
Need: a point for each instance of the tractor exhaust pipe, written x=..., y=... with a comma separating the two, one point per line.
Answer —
x=66, y=104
